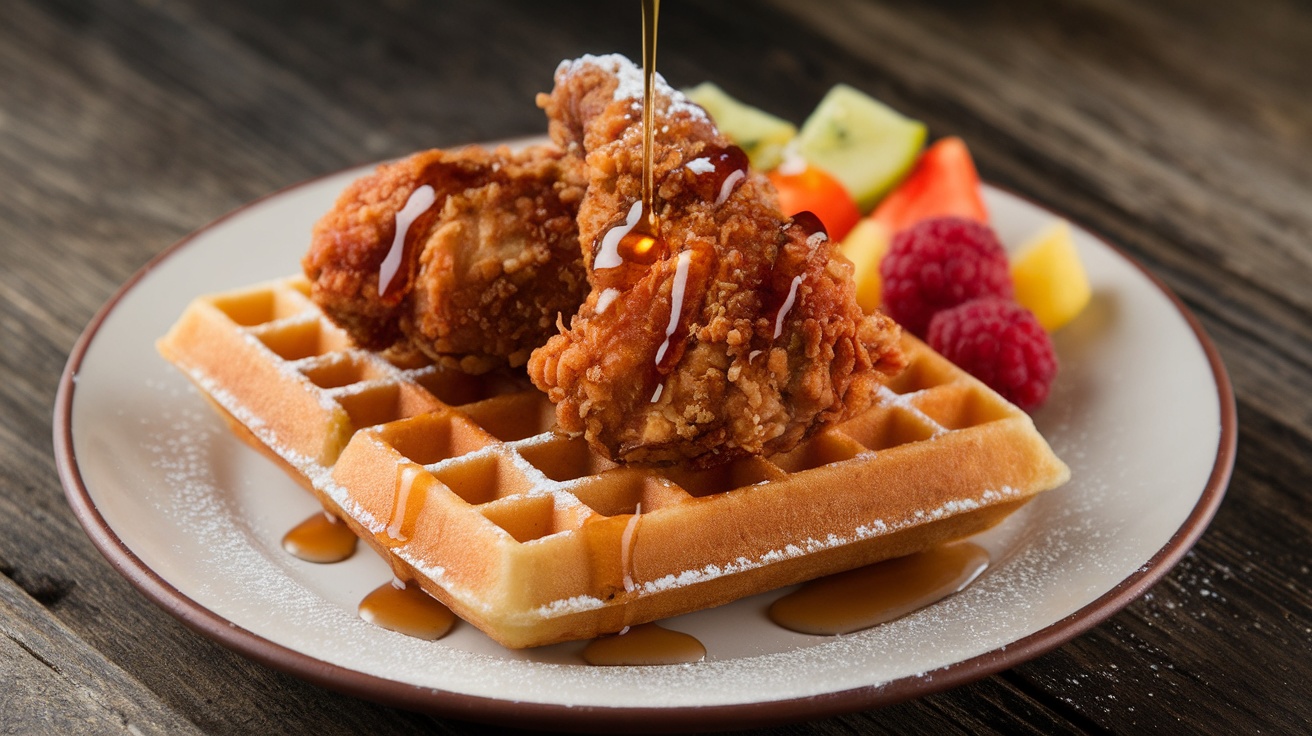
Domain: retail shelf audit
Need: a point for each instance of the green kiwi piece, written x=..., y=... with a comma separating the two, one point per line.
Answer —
x=865, y=144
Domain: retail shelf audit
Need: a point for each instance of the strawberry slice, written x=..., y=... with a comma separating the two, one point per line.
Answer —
x=943, y=183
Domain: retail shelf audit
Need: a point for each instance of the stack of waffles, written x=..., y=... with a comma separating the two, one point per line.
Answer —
x=461, y=485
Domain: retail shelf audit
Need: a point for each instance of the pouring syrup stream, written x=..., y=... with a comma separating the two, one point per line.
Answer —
x=651, y=10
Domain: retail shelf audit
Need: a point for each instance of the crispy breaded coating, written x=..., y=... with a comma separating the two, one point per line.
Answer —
x=482, y=274
x=766, y=343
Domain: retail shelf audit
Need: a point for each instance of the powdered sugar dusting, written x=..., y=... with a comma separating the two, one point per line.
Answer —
x=630, y=83
x=185, y=445
x=875, y=527
x=886, y=396
x=701, y=165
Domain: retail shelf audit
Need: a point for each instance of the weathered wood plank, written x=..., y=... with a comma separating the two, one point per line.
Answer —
x=56, y=684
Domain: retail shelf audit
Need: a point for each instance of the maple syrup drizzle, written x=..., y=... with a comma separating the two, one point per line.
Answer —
x=322, y=538
x=643, y=244
x=623, y=251
x=718, y=172
x=417, y=204
x=809, y=223
x=608, y=255
x=789, y=269
x=400, y=521
x=645, y=644
x=787, y=305
x=875, y=594
x=727, y=186
x=408, y=610
x=676, y=305
x=627, y=540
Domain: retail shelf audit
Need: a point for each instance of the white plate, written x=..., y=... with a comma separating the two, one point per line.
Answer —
x=1141, y=411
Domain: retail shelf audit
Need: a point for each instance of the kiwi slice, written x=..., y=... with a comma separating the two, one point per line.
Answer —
x=761, y=135
x=862, y=142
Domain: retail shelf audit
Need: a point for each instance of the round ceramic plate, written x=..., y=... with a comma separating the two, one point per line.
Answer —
x=1141, y=411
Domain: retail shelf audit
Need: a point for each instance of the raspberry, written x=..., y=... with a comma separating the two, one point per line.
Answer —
x=1000, y=343
x=939, y=263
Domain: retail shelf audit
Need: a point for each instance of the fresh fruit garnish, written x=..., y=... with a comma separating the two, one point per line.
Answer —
x=865, y=144
x=811, y=189
x=762, y=135
x=1049, y=277
x=938, y=264
x=943, y=183
x=865, y=246
x=1000, y=343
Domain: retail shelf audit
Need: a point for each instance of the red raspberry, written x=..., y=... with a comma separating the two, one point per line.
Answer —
x=1000, y=343
x=939, y=263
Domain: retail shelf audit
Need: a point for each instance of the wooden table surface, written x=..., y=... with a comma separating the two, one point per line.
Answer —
x=1179, y=129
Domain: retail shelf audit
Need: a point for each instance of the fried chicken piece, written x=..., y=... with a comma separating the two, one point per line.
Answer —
x=742, y=338
x=481, y=275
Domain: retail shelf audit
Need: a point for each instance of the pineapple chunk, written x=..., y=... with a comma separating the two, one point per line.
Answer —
x=1049, y=277
x=865, y=246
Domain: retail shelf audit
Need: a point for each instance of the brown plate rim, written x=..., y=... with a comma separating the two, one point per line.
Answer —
x=509, y=712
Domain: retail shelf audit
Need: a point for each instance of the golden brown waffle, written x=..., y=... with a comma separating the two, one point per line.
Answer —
x=459, y=482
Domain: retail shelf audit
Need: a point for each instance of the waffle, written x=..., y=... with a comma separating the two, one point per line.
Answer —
x=461, y=485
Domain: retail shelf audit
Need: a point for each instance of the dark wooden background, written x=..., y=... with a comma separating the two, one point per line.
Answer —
x=1179, y=129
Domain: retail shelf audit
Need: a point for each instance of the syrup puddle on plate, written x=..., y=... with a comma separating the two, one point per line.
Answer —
x=407, y=610
x=322, y=538
x=645, y=644
x=868, y=596
x=838, y=604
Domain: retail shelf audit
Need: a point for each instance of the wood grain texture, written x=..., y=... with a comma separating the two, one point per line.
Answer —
x=56, y=684
x=1181, y=131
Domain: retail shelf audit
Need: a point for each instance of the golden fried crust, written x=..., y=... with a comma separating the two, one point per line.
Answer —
x=733, y=387
x=487, y=269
